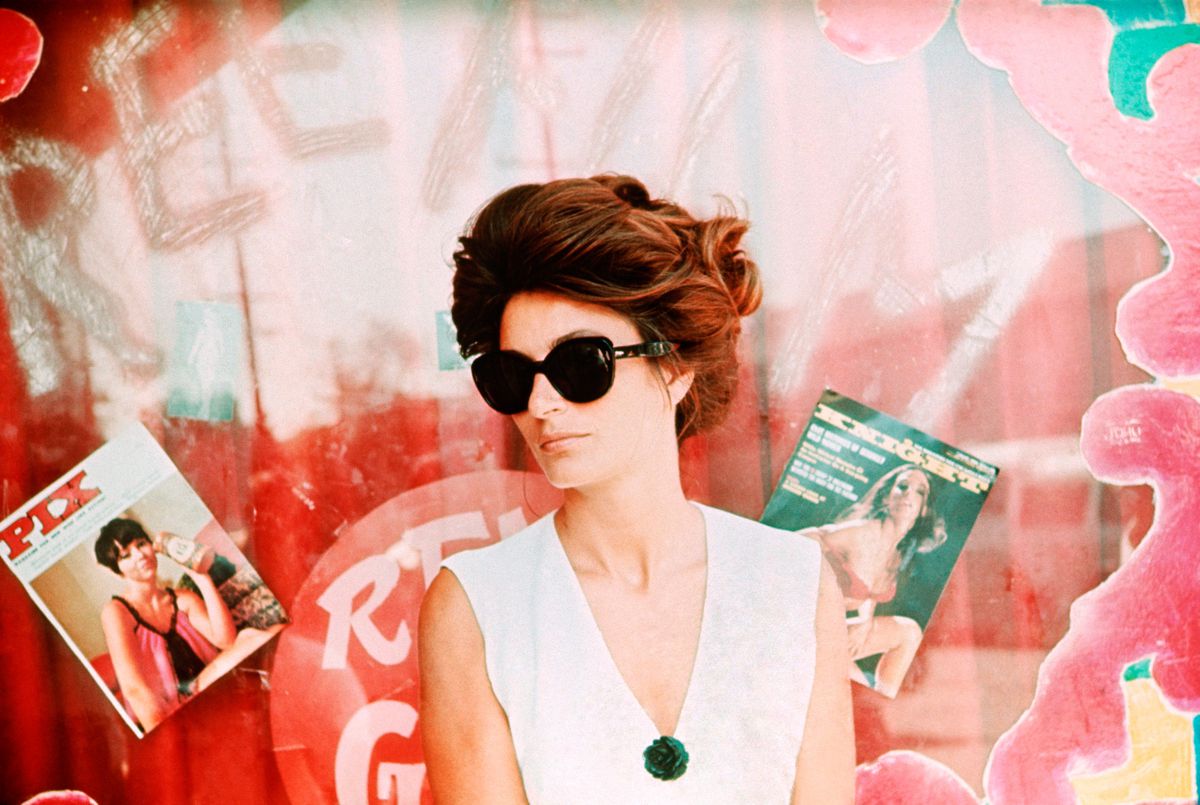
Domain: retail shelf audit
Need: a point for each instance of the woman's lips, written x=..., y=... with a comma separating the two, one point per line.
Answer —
x=559, y=442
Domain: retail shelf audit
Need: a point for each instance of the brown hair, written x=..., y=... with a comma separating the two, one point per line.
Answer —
x=605, y=241
x=116, y=535
x=926, y=533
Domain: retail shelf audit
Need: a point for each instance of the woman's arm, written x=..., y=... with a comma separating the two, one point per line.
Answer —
x=825, y=765
x=469, y=755
x=209, y=615
x=860, y=630
x=145, y=700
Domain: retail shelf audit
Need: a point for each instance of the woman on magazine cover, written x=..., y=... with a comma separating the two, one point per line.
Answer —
x=632, y=646
x=869, y=545
x=159, y=639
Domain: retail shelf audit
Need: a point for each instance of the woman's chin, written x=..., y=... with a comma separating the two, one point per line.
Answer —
x=561, y=475
x=561, y=480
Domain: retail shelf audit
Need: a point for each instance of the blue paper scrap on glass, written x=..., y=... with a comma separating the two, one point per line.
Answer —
x=447, y=343
x=206, y=361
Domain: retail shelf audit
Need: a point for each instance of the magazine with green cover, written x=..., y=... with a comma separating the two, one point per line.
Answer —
x=892, y=507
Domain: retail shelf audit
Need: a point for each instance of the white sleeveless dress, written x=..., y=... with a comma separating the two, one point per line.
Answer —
x=578, y=730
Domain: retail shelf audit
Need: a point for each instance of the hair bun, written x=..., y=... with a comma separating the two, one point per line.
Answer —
x=720, y=244
x=628, y=189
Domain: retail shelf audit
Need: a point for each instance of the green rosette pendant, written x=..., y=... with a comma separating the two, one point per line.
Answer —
x=666, y=758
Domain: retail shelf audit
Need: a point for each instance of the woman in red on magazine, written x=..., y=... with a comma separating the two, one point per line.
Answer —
x=632, y=646
x=159, y=639
x=869, y=545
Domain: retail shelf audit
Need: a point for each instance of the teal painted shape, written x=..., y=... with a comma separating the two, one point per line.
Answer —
x=1145, y=31
x=1134, y=54
x=447, y=343
x=1196, y=754
x=1137, y=670
x=1125, y=14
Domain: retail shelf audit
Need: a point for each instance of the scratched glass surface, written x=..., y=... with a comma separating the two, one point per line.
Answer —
x=301, y=171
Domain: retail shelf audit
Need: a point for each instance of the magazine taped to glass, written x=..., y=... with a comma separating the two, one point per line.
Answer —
x=892, y=507
x=146, y=587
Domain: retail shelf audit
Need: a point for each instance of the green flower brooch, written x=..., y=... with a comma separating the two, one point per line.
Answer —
x=666, y=758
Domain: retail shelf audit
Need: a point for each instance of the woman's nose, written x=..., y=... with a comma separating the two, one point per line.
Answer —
x=544, y=399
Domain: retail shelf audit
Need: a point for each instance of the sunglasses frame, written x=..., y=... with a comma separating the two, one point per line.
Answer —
x=611, y=353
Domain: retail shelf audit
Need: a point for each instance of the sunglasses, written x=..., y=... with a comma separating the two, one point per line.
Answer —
x=581, y=370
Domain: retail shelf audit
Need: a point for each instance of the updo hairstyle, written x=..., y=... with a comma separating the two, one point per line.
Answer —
x=605, y=241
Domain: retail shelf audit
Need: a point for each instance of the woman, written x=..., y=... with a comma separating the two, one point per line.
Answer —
x=631, y=646
x=159, y=639
x=869, y=546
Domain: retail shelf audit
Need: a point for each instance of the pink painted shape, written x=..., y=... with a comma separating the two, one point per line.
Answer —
x=1147, y=608
x=874, y=31
x=909, y=778
x=1056, y=58
x=20, y=52
x=60, y=798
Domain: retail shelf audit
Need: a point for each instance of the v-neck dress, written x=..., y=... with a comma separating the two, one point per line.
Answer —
x=578, y=730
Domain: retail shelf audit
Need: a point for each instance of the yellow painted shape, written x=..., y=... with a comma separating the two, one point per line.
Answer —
x=1161, y=764
x=1193, y=10
x=1186, y=385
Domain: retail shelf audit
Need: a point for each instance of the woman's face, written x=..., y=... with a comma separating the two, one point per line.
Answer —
x=137, y=560
x=580, y=444
x=906, y=501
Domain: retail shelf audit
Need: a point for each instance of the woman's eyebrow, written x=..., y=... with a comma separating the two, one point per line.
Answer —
x=580, y=333
x=573, y=334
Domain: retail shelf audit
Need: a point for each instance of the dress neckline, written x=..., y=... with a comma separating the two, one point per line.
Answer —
x=137, y=616
x=617, y=679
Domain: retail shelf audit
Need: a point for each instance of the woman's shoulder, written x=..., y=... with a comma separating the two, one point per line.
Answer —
x=492, y=581
x=513, y=550
x=847, y=530
x=117, y=613
x=185, y=599
x=757, y=540
x=115, y=607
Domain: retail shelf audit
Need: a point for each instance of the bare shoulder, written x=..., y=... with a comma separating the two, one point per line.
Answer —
x=450, y=644
x=460, y=715
x=446, y=613
x=450, y=651
x=847, y=533
x=188, y=600
x=114, y=613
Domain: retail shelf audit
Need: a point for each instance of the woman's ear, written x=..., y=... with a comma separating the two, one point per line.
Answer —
x=678, y=383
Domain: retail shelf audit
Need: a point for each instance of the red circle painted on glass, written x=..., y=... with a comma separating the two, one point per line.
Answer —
x=20, y=52
x=344, y=681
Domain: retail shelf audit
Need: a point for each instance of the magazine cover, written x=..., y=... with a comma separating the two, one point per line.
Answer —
x=891, y=507
x=141, y=581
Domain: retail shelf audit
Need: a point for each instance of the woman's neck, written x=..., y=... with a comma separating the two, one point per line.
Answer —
x=893, y=531
x=633, y=528
x=141, y=591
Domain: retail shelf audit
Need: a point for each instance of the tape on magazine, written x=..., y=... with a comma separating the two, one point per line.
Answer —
x=906, y=450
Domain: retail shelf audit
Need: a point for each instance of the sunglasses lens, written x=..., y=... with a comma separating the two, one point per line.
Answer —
x=504, y=380
x=581, y=369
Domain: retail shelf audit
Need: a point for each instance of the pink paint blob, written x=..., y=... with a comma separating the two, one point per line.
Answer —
x=20, y=52
x=909, y=778
x=1056, y=58
x=1146, y=608
x=1057, y=61
x=874, y=31
x=60, y=798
